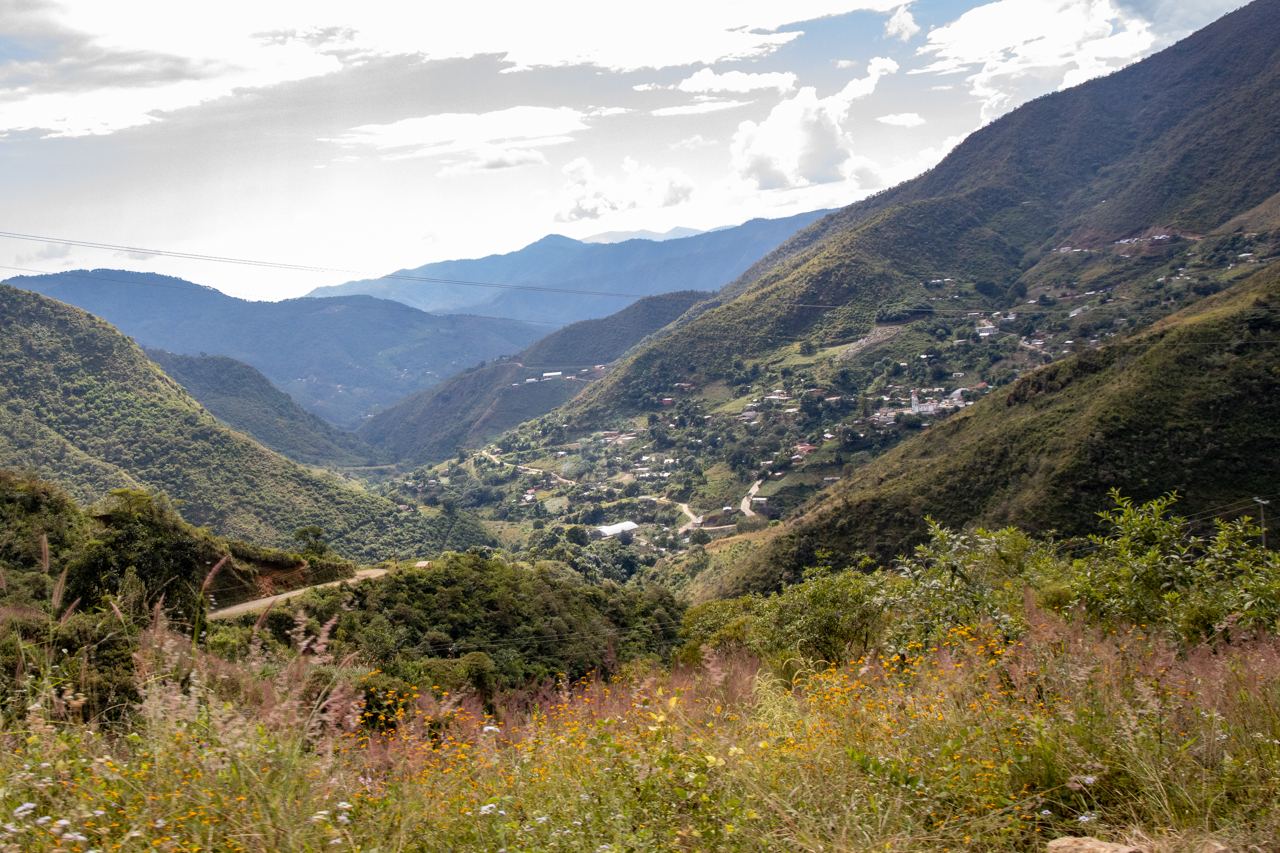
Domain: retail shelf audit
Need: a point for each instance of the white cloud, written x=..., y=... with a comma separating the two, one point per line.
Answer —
x=495, y=159
x=699, y=108
x=901, y=24
x=479, y=135
x=1011, y=48
x=738, y=82
x=693, y=143
x=913, y=163
x=242, y=44
x=589, y=195
x=902, y=119
x=804, y=141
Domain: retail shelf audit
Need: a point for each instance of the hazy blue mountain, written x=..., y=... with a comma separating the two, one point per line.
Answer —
x=632, y=269
x=340, y=358
x=658, y=236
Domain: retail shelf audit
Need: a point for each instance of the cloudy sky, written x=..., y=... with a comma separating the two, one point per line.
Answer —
x=378, y=135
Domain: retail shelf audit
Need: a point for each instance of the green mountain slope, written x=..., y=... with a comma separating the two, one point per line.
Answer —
x=1190, y=405
x=468, y=409
x=340, y=358
x=243, y=398
x=1180, y=142
x=81, y=405
x=631, y=269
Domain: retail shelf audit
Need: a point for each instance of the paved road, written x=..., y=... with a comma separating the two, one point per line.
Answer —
x=745, y=506
x=257, y=605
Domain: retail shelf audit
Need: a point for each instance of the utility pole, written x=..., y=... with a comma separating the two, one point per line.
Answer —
x=1262, y=518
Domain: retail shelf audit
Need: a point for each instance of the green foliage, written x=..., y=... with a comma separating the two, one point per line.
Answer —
x=1152, y=570
x=144, y=542
x=1149, y=570
x=35, y=516
x=533, y=622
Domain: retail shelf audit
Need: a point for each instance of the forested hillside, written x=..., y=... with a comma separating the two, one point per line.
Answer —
x=84, y=407
x=340, y=359
x=632, y=269
x=242, y=397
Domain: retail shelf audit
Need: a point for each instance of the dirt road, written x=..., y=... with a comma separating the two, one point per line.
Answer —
x=257, y=605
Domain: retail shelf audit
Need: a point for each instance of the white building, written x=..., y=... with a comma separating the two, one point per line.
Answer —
x=608, y=531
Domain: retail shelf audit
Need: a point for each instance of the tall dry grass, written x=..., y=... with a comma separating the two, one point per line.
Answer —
x=976, y=742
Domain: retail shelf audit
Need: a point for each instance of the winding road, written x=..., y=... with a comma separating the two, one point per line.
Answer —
x=745, y=506
x=258, y=605
x=528, y=470
x=694, y=520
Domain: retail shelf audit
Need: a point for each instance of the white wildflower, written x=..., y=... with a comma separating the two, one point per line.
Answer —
x=488, y=808
x=24, y=810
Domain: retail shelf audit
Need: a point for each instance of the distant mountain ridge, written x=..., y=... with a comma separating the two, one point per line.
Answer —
x=340, y=359
x=658, y=236
x=632, y=268
x=81, y=405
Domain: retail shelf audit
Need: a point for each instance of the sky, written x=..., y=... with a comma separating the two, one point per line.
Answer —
x=365, y=138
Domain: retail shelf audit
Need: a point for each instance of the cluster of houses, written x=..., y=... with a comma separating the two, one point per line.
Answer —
x=933, y=402
x=582, y=375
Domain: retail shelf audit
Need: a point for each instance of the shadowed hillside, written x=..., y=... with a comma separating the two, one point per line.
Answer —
x=468, y=409
x=243, y=398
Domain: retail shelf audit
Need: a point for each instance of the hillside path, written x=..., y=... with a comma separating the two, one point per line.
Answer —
x=257, y=605
x=528, y=470
x=688, y=513
x=745, y=506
